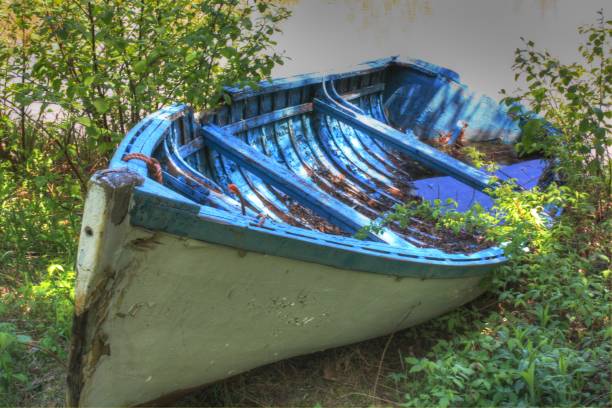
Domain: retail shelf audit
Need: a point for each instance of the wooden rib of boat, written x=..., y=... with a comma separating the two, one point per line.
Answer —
x=214, y=246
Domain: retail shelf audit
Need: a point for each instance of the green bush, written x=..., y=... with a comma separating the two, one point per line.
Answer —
x=77, y=75
x=575, y=98
x=545, y=340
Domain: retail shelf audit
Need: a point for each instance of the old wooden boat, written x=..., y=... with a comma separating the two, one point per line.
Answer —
x=213, y=246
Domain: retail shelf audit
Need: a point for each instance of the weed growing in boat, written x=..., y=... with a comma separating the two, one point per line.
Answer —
x=478, y=159
x=460, y=231
x=444, y=216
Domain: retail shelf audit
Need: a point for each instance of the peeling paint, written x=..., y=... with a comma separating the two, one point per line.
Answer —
x=146, y=243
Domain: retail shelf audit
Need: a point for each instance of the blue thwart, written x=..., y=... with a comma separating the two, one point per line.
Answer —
x=237, y=229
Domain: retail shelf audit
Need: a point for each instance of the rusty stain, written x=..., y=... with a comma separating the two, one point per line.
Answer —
x=396, y=192
x=100, y=347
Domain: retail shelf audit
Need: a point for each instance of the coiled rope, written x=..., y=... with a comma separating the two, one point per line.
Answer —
x=153, y=166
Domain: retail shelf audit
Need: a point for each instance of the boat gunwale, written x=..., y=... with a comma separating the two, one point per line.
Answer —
x=297, y=81
x=246, y=234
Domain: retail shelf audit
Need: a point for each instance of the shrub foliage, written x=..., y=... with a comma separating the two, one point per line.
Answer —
x=76, y=75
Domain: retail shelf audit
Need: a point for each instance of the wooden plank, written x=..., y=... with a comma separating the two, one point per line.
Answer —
x=409, y=144
x=280, y=114
x=268, y=118
x=308, y=79
x=190, y=148
x=301, y=190
x=427, y=68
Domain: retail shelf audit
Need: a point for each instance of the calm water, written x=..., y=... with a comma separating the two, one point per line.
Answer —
x=476, y=38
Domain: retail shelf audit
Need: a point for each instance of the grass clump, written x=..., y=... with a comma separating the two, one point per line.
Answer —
x=37, y=251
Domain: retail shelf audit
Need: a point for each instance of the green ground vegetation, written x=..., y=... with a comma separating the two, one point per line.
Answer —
x=75, y=76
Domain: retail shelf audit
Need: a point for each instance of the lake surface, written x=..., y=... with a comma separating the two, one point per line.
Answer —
x=476, y=38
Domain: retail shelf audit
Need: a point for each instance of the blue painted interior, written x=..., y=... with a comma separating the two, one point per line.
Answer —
x=407, y=143
x=347, y=156
x=526, y=174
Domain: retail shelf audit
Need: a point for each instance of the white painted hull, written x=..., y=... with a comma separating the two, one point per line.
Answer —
x=166, y=313
x=186, y=313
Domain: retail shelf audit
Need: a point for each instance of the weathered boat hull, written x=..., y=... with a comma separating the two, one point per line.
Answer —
x=177, y=313
x=179, y=284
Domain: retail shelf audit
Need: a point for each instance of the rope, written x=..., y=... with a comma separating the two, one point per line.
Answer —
x=262, y=218
x=153, y=166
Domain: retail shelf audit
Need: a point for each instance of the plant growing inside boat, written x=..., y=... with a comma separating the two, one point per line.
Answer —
x=444, y=216
x=479, y=159
x=440, y=218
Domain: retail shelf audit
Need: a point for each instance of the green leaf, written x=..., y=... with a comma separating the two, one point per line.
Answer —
x=102, y=105
x=140, y=66
x=21, y=377
x=88, y=81
x=85, y=121
x=191, y=56
x=6, y=339
x=140, y=89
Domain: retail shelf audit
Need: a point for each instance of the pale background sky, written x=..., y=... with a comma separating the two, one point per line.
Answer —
x=476, y=38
